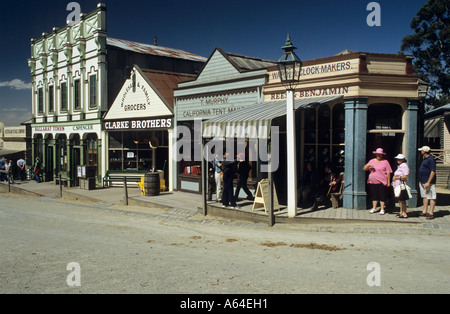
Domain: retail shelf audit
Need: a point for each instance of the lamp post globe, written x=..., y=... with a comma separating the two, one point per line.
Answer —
x=289, y=66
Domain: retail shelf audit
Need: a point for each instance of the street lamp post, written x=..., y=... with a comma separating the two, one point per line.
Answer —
x=289, y=66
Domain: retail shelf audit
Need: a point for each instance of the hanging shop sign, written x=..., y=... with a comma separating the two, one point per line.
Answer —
x=17, y=131
x=321, y=70
x=68, y=129
x=207, y=107
x=315, y=92
x=138, y=124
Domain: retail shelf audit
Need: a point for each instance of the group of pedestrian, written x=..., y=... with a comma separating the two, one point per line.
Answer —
x=10, y=170
x=379, y=181
x=221, y=175
x=7, y=169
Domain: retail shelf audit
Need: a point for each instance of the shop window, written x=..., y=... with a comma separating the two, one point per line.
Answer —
x=61, y=153
x=310, y=126
x=188, y=167
x=384, y=117
x=324, y=136
x=384, y=124
x=92, y=150
x=132, y=151
x=338, y=130
x=324, y=125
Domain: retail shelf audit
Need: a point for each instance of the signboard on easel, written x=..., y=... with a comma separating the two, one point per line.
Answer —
x=262, y=196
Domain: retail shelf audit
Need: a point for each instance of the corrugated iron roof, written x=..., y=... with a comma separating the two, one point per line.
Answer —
x=254, y=121
x=153, y=50
x=246, y=63
x=165, y=82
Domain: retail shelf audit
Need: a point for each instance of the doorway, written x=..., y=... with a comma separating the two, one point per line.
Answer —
x=49, y=163
x=386, y=131
x=75, y=159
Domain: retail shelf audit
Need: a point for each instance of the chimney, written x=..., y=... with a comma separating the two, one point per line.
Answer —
x=155, y=41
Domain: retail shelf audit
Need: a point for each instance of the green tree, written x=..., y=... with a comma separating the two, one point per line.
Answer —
x=430, y=47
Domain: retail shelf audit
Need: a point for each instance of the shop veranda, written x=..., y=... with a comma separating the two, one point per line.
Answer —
x=189, y=146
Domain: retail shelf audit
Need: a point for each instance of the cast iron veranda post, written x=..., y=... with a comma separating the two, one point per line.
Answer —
x=60, y=186
x=126, y=190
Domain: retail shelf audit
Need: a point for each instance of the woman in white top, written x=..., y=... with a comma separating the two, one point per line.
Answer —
x=401, y=174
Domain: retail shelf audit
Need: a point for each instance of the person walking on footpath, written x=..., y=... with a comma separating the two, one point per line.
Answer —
x=9, y=171
x=37, y=169
x=379, y=179
x=211, y=182
x=2, y=168
x=228, y=169
x=21, y=169
x=427, y=181
x=401, y=175
x=218, y=178
x=244, y=169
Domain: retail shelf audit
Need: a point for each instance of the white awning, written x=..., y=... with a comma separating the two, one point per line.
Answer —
x=6, y=152
x=432, y=128
x=254, y=121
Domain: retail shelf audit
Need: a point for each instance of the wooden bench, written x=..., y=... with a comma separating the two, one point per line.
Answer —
x=109, y=179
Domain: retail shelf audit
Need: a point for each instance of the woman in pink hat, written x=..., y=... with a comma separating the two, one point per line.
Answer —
x=379, y=178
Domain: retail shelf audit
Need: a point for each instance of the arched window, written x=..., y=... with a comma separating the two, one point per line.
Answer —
x=61, y=152
x=38, y=146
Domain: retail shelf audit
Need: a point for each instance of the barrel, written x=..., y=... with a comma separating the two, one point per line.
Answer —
x=151, y=184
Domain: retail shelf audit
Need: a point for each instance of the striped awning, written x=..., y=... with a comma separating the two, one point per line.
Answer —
x=432, y=127
x=254, y=121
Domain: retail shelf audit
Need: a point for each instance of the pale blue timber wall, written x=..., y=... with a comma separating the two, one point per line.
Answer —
x=355, y=153
x=411, y=148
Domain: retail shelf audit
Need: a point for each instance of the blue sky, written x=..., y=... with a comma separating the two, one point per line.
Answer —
x=256, y=28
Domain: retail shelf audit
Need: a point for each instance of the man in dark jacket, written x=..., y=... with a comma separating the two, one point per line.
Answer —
x=329, y=183
x=211, y=182
x=228, y=169
x=244, y=169
x=427, y=181
x=2, y=168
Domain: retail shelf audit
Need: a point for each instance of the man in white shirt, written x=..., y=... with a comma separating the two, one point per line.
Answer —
x=21, y=169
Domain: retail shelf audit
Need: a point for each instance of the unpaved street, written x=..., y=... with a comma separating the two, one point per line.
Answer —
x=144, y=250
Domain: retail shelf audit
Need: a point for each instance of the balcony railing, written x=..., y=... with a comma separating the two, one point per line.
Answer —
x=442, y=156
